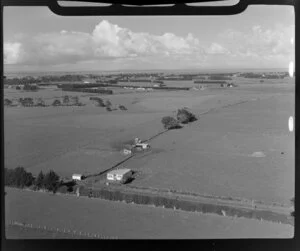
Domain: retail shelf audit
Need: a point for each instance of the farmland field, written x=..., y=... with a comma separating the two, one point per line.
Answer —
x=214, y=155
x=120, y=220
x=240, y=146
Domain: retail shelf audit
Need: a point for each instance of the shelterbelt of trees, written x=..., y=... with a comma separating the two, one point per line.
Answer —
x=20, y=178
x=39, y=102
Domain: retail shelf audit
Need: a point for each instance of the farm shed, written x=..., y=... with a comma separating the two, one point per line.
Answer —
x=126, y=152
x=119, y=175
x=77, y=177
x=142, y=145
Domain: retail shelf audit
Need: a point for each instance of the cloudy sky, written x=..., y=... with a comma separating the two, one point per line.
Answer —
x=37, y=40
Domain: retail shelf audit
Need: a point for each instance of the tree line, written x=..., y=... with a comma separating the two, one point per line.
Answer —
x=20, y=178
x=107, y=104
x=39, y=102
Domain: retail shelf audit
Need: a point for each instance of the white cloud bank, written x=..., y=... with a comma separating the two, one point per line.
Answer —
x=110, y=42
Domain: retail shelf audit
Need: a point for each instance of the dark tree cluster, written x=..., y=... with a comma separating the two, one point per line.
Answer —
x=264, y=76
x=170, y=123
x=18, y=177
x=56, y=102
x=30, y=87
x=7, y=102
x=219, y=77
x=184, y=116
x=99, y=101
x=88, y=90
x=26, y=102
x=21, y=81
x=67, y=101
x=122, y=108
x=49, y=181
x=40, y=102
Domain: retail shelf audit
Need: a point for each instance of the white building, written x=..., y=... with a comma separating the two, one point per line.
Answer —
x=77, y=177
x=142, y=145
x=119, y=175
x=126, y=151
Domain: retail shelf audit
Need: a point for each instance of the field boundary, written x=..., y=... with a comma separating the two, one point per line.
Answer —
x=64, y=232
x=174, y=201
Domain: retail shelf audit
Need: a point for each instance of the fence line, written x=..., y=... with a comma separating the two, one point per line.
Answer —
x=72, y=232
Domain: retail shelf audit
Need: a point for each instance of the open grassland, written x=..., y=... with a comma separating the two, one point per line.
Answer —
x=217, y=154
x=214, y=155
x=120, y=220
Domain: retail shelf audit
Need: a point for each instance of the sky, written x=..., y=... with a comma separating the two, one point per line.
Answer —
x=35, y=39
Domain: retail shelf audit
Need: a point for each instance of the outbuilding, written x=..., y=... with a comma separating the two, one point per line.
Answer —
x=121, y=175
x=142, y=145
x=77, y=177
x=126, y=152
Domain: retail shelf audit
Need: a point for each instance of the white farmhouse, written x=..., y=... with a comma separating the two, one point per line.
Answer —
x=77, y=177
x=121, y=175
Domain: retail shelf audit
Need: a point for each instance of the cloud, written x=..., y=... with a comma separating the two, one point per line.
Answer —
x=216, y=48
x=106, y=41
x=260, y=42
x=121, y=47
x=12, y=52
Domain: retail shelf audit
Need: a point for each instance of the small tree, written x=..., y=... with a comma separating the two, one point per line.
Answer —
x=100, y=102
x=39, y=182
x=27, y=102
x=7, y=102
x=170, y=123
x=19, y=177
x=56, y=102
x=184, y=116
x=108, y=103
x=122, y=107
x=40, y=102
x=51, y=181
x=66, y=99
x=75, y=100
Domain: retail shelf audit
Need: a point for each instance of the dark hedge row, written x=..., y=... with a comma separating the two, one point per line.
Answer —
x=79, y=86
x=70, y=89
x=171, y=88
x=219, y=77
x=141, y=80
x=209, y=82
x=175, y=203
x=262, y=75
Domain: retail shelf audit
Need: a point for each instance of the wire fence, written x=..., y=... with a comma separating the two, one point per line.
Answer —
x=64, y=232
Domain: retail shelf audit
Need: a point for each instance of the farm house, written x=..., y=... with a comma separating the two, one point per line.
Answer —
x=119, y=175
x=77, y=177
